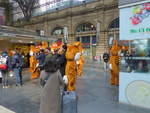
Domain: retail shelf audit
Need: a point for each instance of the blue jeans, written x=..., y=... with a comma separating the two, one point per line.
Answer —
x=18, y=73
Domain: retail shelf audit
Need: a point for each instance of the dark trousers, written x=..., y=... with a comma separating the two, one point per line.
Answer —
x=4, y=77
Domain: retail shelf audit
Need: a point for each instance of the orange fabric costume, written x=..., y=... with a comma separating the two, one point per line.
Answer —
x=71, y=67
x=114, y=61
x=81, y=60
x=44, y=45
x=33, y=64
x=81, y=65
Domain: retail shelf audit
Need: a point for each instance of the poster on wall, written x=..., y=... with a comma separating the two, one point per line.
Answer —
x=135, y=22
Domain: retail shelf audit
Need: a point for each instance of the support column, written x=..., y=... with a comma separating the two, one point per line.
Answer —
x=91, y=56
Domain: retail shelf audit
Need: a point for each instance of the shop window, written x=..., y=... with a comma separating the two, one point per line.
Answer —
x=86, y=41
x=40, y=32
x=86, y=27
x=78, y=39
x=114, y=24
x=58, y=31
x=93, y=40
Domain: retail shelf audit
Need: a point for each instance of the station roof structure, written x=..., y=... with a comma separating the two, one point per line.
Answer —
x=20, y=35
x=126, y=2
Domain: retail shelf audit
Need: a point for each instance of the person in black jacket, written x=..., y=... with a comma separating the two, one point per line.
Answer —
x=106, y=58
x=61, y=57
x=41, y=58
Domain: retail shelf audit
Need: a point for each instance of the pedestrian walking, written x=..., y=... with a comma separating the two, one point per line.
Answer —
x=17, y=63
x=5, y=66
x=106, y=60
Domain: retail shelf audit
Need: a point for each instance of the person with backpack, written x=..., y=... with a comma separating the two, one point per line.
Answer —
x=5, y=66
x=17, y=63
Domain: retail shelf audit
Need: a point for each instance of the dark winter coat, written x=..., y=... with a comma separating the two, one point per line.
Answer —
x=17, y=61
x=41, y=58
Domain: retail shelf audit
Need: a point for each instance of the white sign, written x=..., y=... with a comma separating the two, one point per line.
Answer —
x=98, y=31
x=42, y=33
x=135, y=22
x=66, y=34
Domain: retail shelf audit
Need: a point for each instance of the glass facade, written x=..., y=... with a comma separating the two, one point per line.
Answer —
x=85, y=31
x=47, y=6
x=137, y=59
x=58, y=31
x=86, y=27
x=114, y=24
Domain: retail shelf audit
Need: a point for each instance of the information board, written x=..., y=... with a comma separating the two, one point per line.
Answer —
x=134, y=22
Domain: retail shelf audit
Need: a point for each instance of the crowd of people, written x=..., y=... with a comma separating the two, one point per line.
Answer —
x=57, y=67
x=38, y=58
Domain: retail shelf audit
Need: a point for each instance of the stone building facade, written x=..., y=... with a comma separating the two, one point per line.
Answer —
x=95, y=24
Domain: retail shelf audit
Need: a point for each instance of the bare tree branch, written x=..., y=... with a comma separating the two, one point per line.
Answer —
x=27, y=7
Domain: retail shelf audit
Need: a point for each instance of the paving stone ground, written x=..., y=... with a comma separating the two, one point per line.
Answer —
x=95, y=95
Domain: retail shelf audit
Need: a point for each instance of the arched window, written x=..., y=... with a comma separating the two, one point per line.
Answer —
x=114, y=31
x=86, y=34
x=85, y=27
x=58, y=31
x=114, y=24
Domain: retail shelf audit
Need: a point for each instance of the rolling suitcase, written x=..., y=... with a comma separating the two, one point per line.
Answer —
x=69, y=102
x=0, y=80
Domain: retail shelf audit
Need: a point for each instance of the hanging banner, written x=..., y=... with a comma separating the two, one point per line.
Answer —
x=98, y=31
x=135, y=22
x=65, y=34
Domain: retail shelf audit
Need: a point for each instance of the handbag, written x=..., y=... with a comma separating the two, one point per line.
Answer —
x=3, y=66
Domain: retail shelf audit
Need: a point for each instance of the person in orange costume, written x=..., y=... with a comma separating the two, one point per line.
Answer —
x=71, y=67
x=80, y=62
x=114, y=63
x=44, y=45
x=33, y=64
